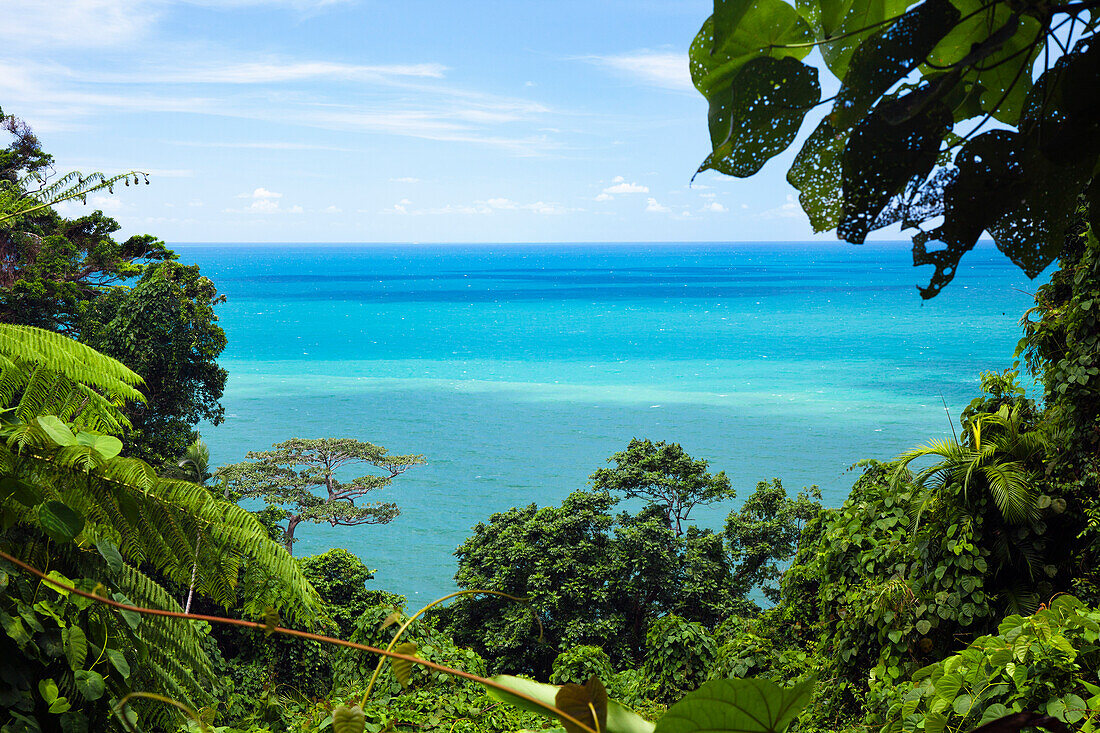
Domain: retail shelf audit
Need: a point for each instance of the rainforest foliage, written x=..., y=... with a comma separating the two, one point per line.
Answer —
x=955, y=588
x=953, y=118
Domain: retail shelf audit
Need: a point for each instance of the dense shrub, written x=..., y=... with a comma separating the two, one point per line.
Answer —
x=679, y=654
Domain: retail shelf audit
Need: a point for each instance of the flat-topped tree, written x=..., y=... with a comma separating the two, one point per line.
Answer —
x=664, y=475
x=289, y=476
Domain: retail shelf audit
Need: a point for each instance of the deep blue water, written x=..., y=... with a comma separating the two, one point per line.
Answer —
x=518, y=369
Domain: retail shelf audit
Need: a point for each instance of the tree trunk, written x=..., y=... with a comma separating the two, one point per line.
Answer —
x=194, y=570
x=288, y=535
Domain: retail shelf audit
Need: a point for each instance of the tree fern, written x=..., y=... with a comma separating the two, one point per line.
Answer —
x=34, y=192
x=46, y=373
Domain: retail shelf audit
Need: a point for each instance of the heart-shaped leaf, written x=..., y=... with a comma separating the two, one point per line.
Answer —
x=587, y=703
x=58, y=431
x=348, y=720
x=402, y=669
x=107, y=446
x=90, y=684
x=620, y=719
x=737, y=706
x=59, y=521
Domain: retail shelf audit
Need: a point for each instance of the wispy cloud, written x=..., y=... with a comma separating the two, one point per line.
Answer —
x=483, y=207
x=269, y=72
x=665, y=70
x=787, y=210
x=653, y=207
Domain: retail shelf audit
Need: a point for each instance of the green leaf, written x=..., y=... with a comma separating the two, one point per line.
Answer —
x=107, y=446
x=118, y=661
x=402, y=669
x=923, y=627
x=21, y=491
x=58, y=431
x=74, y=722
x=348, y=719
x=758, y=115
x=855, y=20
x=888, y=56
x=90, y=684
x=111, y=554
x=76, y=646
x=620, y=719
x=991, y=713
x=581, y=701
x=741, y=30
x=132, y=618
x=60, y=522
x=271, y=620
x=816, y=173
x=47, y=688
x=737, y=706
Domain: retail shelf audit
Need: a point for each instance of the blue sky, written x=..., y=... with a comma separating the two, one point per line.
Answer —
x=361, y=120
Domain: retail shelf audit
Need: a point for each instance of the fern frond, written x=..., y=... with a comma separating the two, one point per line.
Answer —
x=46, y=373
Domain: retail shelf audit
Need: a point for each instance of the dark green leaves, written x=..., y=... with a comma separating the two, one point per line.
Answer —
x=60, y=522
x=888, y=56
x=587, y=703
x=758, y=116
x=881, y=159
x=90, y=684
x=737, y=706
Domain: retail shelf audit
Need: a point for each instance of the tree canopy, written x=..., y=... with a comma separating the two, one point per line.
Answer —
x=664, y=475
x=953, y=118
x=298, y=479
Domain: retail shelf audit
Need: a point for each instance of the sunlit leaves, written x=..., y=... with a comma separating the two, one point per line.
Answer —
x=761, y=115
x=816, y=175
x=888, y=56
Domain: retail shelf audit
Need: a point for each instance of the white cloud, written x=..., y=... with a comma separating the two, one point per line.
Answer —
x=405, y=179
x=107, y=204
x=604, y=197
x=715, y=207
x=271, y=72
x=665, y=70
x=655, y=208
x=295, y=209
x=260, y=193
x=627, y=188
x=617, y=179
x=788, y=210
x=333, y=210
x=263, y=206
x=80, y=23
x=707, y=195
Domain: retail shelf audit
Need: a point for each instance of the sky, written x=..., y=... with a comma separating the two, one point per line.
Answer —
x=370, y=121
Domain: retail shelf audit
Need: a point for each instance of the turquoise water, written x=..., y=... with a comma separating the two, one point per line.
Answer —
x=518, y=369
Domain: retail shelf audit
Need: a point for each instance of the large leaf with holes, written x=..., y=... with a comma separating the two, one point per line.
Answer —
x=816, y=173
x=888, y=56
x=759, y=115
x=849, y=22
x=746, y=30
x=737, y=706
x=881, y=159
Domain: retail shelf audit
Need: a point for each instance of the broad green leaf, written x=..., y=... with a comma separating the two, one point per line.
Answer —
x=855, y=20
x=21, y=491
x=76, y=646
x=74, y=722
x=758, y=116
x=60, y=522
x=737, y=706
x=132, y=618
x=90, y=684
x=58, y=431
x=581, y=701
x=402, y=669
x=923, y=627
x=348, y=719
x=881, y=159
x=107, y=446
x=888, y=56
x=816, y=174
x=47, y=688
x=620, y=719
x=57, y=576
x=271, y=620
x=118, y=661
x=111, y=554
x=765, y=28
x=991, y=713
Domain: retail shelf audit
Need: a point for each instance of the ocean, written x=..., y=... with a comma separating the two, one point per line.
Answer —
x=517, y=370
